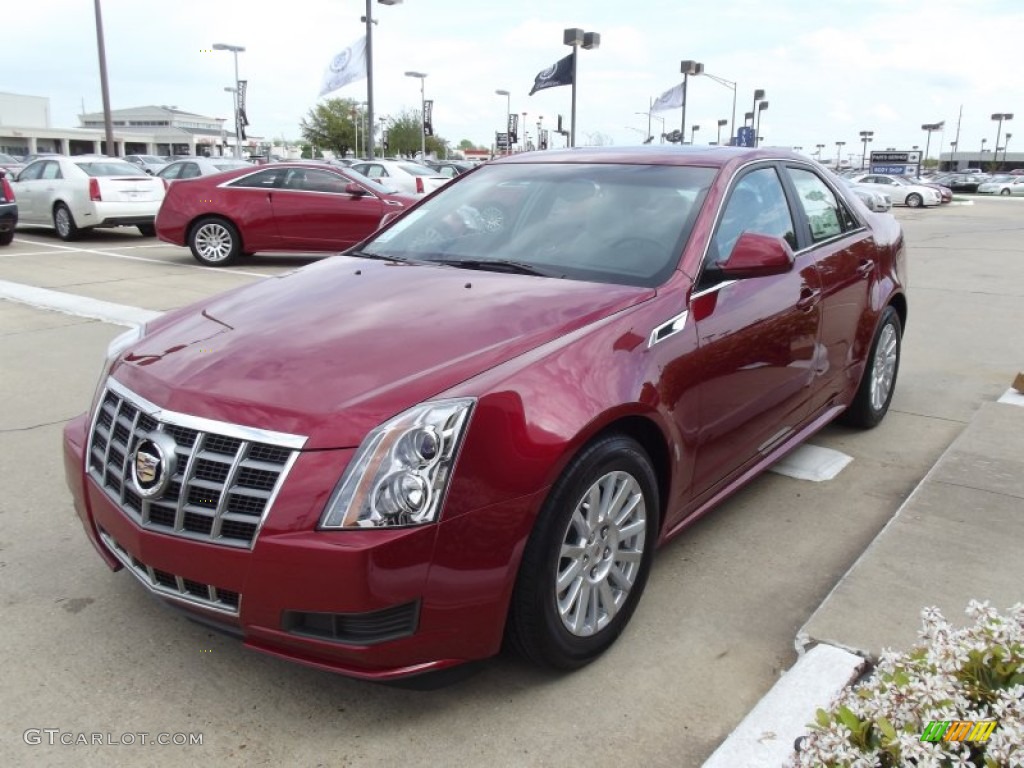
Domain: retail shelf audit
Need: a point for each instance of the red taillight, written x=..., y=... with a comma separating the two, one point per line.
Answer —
x=94, y=190
x=8, y=190
x=419, y=185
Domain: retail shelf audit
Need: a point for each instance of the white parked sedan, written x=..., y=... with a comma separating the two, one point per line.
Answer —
x=72, y=194
x=901, y=191
x=1003, y=185
x=406, y=175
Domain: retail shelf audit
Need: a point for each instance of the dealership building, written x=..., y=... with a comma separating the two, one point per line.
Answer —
x=26, y=128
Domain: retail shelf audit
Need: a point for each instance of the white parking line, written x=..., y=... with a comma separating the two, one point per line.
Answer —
x=142, y=258
x=70, y=304
x=812, y=462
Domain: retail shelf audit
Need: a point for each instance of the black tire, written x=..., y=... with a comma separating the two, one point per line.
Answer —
x=914, y=200
x=214, y=242
x=1005, y=192
x=6, y=238
x=147, y=230
x=537, y=627
x=869, y=405
x=64, y=223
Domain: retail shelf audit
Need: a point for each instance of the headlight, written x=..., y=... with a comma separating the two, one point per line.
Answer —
x=400, y=473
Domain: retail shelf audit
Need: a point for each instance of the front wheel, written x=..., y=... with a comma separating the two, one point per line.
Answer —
x=914, y=200
x=214, y=242
x=587, y=560
x=1005, y=192
x=878, y=381
x=6, y=238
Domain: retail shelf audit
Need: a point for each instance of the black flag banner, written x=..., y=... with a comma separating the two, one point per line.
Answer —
x=557, y=74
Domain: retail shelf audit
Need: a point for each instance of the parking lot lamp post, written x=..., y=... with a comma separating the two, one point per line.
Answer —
x=930, y=128
x=687, y=68
x=108, y=123
x=576, y=38
x=693, y=130
x=865, y=137
x=422, y=76
x=370, y=21
x=761, y=107
x=718, y=136
x=235, y=50
x=839, y=149
x=234, y=105
x=819, y=147
x=1000, y=117
x=731, y=85
x=508, y=119
x=1006, y=143
x=983, y=143
x=952, y=155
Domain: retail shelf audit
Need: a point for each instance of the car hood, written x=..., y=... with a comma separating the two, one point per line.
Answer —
x=332, y=350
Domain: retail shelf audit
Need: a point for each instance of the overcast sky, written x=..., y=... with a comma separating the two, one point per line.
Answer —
x=830, y=69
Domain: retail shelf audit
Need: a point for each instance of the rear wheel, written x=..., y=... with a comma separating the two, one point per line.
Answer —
x=878, y=381
x=587, y=560
x=214, y=242
x=64, y=223
x=914, y=200
x=147, y=230
x=1004, y=192
x=6, y=238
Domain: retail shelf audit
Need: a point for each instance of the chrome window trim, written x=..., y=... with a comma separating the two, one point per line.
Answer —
x=713, y=289
x=228, y=429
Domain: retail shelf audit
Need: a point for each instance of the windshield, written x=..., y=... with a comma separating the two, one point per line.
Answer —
x=108, y=168
x=611, y=223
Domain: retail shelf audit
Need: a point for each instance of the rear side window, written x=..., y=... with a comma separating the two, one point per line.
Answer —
x=267, y=179
x=827, y=216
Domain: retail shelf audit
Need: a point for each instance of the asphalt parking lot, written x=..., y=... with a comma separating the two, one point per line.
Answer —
x=87, y=651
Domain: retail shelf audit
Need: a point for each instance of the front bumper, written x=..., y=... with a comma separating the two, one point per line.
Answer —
x=373, y=604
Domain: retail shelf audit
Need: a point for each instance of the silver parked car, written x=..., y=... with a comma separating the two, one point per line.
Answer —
x=901, y=191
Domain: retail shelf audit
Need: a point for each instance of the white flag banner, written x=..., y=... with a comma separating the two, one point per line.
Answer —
x=347, y=67
x=670, y=99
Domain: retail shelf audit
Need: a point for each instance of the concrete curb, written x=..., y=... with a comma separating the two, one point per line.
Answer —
x=765, y=737
x=80, y=306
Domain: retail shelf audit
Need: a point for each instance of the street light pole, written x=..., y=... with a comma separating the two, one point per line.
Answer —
x=1006, y=143
x=508, y=119
x=423, y=112
x=576, y=38
x=761, y=107
x=693, y=130
x=839, y=149
x=108, y=122
x=235, y=50
x=1000, y=116
x=370, y=21
x=732, y=86
x=930, y=127
x=819, y=147
x=865, y=137
x=687, y=68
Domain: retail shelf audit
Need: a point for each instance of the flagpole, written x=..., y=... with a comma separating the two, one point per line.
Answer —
x=572, y=125
x=682, y=128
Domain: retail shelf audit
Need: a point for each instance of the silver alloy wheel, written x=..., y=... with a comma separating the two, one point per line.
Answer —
x=914, y=200
x=601, y=553
x=884, y=366
x=213, y=241
x=62, y=221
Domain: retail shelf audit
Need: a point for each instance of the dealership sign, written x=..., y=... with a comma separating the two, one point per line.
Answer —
x=896, y=163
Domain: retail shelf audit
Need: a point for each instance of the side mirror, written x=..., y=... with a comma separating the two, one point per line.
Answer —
x=355, y=189
x=757, y=255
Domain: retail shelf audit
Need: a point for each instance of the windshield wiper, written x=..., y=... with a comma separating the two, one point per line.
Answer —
x=499, y=265
x=378, y=256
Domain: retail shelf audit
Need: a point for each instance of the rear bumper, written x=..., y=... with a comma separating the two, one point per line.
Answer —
x=118, y=214
x=8, y=216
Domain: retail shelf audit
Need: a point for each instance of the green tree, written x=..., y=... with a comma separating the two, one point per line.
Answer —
x=467, y=144
x=331, y=125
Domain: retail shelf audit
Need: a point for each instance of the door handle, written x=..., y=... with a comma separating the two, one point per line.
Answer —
x=865, y=268
x=808, y=298
x=270, y=197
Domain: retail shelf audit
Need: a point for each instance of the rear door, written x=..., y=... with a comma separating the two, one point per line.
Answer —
x=313, y=210
x=248, y=202
x=26, y=189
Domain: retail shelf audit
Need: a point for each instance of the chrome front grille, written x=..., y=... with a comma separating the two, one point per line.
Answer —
x=226, y=475
x=167, y=584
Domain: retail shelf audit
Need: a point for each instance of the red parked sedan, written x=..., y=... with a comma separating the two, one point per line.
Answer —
x=387, y=462
x=283, y=207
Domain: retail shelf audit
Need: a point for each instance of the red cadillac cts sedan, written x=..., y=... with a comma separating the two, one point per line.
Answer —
x=280, y=207
x=461, y=432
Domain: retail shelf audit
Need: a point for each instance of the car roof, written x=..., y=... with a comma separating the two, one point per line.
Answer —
x=653, y=154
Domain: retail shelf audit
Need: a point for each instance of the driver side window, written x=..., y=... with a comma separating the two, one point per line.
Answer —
x=756, y=204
